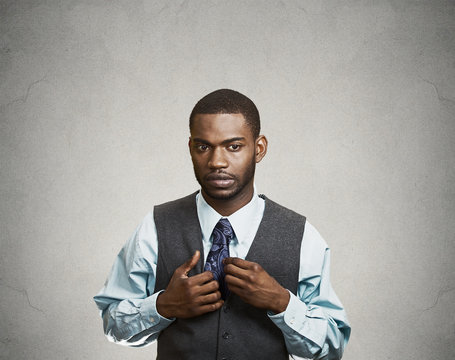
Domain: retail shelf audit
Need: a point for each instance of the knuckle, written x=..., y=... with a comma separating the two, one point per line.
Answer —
x=256, y=267
x=198, y=301
x=178, y=272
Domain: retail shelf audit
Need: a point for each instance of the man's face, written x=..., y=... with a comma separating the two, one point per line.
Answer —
x=224, y=155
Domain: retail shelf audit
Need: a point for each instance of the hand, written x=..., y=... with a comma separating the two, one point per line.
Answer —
x=254, y=285
x=187, y=297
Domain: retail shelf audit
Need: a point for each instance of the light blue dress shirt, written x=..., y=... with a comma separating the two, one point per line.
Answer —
x=313, y=324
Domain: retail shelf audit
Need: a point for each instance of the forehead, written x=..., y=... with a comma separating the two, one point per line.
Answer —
x=219, y=126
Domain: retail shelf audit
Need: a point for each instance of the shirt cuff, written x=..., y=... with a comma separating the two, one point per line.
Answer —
x=285, y=319
x=150, y=313
x=295, y=320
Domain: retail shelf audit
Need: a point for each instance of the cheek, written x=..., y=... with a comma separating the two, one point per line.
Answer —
x=244, y=163
x=198, y=161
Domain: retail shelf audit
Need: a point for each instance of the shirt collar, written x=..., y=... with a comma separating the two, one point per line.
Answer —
x=240, y=220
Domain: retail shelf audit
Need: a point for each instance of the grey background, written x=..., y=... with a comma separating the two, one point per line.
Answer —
x=357, y=99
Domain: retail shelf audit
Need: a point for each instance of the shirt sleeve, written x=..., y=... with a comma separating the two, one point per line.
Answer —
x=314, y=324
x=127, y=301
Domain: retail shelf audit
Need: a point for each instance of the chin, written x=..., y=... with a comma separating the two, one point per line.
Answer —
x=222, y=194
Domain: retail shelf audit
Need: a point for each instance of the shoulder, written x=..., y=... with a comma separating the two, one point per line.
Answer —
x=313, y=239
x=313, y=244
x=184, y=202
x=142, y=243
x=280, y=211
x=146, y=229
x=314, y=252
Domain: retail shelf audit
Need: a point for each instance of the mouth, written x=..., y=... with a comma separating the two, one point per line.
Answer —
x=219, y=180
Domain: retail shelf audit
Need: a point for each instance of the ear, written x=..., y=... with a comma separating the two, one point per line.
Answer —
x=189, y=144
x=261, y=147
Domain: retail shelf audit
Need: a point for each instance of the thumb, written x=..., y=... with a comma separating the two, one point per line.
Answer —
x=185, y=268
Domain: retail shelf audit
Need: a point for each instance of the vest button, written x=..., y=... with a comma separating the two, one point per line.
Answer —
x=226, y=308
x=226, y=335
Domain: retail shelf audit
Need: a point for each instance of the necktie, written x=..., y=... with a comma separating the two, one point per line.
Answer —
x=222, y=235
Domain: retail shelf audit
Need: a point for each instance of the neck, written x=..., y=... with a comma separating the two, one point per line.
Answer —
x=227, y=207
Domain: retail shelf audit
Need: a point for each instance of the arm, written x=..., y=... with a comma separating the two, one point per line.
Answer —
x=313, y=323
x=131, y=315
x=126, y=302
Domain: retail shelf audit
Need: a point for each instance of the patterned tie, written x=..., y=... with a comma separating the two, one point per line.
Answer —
x=222, y=235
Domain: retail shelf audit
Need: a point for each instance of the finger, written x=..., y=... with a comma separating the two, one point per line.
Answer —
x=238, y=290
x=185, y=268
x=231, y=269
x=208, y=288
x=200, y=279
x=234, y=282
x=244, y=264
x=211, y=307
x=210, y=298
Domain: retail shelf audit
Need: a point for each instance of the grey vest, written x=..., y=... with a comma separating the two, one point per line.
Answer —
x=238, y=330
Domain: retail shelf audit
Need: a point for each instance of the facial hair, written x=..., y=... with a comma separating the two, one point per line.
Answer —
x=240, y=184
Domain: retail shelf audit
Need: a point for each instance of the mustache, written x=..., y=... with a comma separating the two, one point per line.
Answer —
x=219, y=176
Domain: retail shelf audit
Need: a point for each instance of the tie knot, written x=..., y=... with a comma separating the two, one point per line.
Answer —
x=223, y=232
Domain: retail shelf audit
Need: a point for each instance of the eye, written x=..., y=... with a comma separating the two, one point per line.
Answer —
x=202, y=147
x=234, y=147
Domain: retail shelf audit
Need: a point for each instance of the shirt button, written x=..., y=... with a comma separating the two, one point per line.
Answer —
x=226, y=335
x=152, y=320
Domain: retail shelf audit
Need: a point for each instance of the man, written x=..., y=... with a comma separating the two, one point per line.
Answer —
x=225, y=273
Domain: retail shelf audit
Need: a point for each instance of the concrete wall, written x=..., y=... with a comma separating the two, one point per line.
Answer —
x=358, y=102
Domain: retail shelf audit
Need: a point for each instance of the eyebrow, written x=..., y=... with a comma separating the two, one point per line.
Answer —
x=224, y=142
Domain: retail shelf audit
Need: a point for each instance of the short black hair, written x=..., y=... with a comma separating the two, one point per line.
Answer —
x=226, y=101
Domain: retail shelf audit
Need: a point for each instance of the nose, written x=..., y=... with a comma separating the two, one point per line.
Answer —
x=217, y=160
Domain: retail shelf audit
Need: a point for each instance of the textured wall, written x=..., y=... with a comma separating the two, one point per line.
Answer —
x=358, y=102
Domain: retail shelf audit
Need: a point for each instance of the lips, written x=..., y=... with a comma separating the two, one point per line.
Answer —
x=219, y=180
